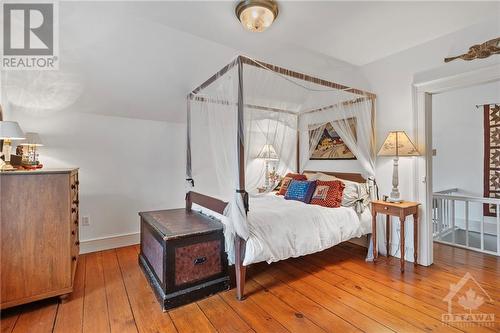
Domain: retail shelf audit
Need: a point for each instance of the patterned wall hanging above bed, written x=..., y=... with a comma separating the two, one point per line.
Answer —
x=491, y=156
x=331, y=146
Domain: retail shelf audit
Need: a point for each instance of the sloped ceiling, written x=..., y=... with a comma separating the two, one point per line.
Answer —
x=140, y=59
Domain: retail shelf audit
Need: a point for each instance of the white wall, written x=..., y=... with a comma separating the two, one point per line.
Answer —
x=391, y=79
x=116, y=108
x=458, y=137
x=126, y=166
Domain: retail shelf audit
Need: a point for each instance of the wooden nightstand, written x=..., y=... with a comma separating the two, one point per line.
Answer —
x=401, y=210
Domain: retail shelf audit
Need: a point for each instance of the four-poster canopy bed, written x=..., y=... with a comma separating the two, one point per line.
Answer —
x=249, y=104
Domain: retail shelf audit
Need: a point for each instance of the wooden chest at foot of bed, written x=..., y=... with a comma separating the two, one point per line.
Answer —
x=182, y=254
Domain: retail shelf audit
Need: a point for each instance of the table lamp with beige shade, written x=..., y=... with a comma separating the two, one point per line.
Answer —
x=9, y=130
x=397, y=144
x=268, y=153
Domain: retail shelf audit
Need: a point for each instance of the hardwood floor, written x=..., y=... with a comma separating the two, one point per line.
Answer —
x=331, y=291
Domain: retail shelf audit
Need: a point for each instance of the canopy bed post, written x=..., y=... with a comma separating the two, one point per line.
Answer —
x=240, y=270
x=189, y=175
x=298, y=145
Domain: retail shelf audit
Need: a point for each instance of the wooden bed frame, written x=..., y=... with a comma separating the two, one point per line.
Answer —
x=218, y=206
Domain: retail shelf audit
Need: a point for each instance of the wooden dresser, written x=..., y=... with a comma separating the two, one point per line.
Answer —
x=39, y=234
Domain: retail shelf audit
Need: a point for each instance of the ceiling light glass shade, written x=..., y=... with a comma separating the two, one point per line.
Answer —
x=398, y=144
x=32, y=139
x=257, y=15
x=10, y=130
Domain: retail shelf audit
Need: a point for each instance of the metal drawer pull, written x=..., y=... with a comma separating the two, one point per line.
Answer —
x=386, y=208
x=200, y=260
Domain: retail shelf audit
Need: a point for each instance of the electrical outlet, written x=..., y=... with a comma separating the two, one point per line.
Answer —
x=85, y=221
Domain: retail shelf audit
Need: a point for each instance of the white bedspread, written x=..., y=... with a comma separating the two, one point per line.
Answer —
x=281, y=229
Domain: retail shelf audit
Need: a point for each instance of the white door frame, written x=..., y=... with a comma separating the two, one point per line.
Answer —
x=422, y=113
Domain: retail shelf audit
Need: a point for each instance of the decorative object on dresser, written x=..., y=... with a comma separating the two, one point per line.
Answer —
x=9, y=130
x=39, y=238
x=401, y=210
x=29, y=150
x=182, y=254
x=397, y=144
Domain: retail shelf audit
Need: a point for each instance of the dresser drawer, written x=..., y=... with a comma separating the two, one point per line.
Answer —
x=197, y=261
x=388, y=210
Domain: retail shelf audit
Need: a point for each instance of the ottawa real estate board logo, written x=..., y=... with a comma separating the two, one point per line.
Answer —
x=469, y=305
x=30, y=39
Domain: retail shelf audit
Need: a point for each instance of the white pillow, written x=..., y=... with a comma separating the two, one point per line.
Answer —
x=355, y=195
x=311, y=175
x=319, y=176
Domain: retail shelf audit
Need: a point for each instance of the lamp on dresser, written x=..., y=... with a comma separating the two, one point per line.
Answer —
x=9, y=130
x=397, y=144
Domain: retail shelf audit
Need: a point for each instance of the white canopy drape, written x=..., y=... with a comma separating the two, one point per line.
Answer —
x=248, y=105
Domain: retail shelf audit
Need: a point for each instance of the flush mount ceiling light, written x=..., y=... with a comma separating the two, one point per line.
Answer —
x=257, y=15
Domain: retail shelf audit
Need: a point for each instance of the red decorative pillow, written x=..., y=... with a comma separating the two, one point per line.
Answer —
x=328, y=193
x=286, y=181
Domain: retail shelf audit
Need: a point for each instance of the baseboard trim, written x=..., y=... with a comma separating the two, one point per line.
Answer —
x=110, y=242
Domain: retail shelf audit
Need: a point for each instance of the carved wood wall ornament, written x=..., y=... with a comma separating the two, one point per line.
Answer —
x=479, y=51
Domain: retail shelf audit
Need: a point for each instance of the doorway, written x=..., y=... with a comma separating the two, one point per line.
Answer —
x=465, y=168
x=423, y=93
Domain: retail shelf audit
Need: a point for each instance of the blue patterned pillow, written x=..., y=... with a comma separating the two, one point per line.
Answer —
x=300, y=190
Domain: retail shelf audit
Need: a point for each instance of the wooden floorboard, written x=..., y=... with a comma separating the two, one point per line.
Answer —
x=332, y=291
x=258, y=319
x=223, y=316
x=146, y=310
x=69, y=317
x=318, y=314
x=8, y=319
x=121, y=319
x=190, y=319
x=37, y=317
x=325, y=281
x=95, y=303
